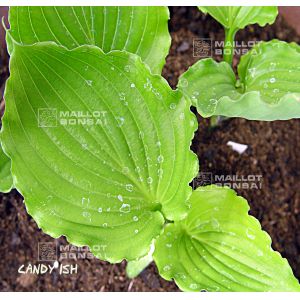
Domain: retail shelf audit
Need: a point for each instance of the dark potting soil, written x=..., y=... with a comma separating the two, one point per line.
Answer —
x=272, y=155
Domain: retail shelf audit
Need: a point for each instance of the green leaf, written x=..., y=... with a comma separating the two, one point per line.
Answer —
x=140, y=30
x=99, y=146
x=219, y=247
x=238, y=17
x=268, y=87
x=6, y=181
x=135, y=267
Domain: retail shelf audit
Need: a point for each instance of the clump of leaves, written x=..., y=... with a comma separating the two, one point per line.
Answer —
x=267, y=87
x=100, y=150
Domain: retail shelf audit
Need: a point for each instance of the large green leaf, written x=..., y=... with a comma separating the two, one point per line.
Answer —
x=135, y=267
x=6, y=181
x=107, y=182
x=238, y=17
x=219, y=247
x=268, y=87
x=140, y=30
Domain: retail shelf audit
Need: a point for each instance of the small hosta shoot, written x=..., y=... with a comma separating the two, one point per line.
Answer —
x=268, y=83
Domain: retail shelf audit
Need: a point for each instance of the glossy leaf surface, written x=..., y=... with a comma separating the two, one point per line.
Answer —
x=219, y=247
x=268, y=87
x=99, y=146
x=140, y=30
x=238, y=17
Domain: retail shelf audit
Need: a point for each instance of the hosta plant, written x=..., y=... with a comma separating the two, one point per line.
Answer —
x=100, y=150
x=267, y=85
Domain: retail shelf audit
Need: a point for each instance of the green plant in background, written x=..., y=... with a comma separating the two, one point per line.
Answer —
x=100, y=151
x=268, y=84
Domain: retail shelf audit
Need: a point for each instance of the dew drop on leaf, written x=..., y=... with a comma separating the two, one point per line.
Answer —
x=120, y=197
x=184, y=82
x=249, y=233
x=120, y=121
x=89, y=82
x=149, y=180
x=167, y=268
x=129, y=187
x=135, y=218
x=160, y=158
x=172, y=106
x=125, y=208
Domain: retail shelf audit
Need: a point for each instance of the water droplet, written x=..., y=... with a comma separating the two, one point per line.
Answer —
x=129, y=187
x=252, y=72
x=125, y=170
x=122, y=96
x=160, y=172
x=120, y=121
x=158, y=144
x=193, y=286
x=167, y=268
x=215, y=224
x=149, y=180
x=250, y=234
x=127, y=68
x=135, y=218
x=169, y=245
x=136, y=231
x=86, y=215
x=125, y=208
x=184, y=82
x=132, y=85
x=272, y=80
x=120, y=197
x=100, y=209
x=104, y=225
x=172, y=106
x=89, y=82
x=141, y=134
x=160, y=158
x=272, y=66
x=260, y=253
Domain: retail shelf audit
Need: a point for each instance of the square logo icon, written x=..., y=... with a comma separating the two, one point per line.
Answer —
x=47, y=117
x=202, y=47
x=203, y=178
x=47, y=251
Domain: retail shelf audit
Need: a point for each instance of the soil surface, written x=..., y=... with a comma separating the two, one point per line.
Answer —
x=272, y=154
